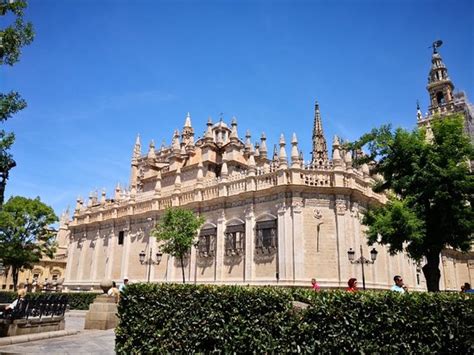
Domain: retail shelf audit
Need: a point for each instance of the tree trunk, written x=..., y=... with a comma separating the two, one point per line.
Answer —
x=431, y=271
x=3, y=179
x=182, y=267
x=3, y=183
x=15, y=272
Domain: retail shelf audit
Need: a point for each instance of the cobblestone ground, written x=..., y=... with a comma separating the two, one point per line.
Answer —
x=86, y=342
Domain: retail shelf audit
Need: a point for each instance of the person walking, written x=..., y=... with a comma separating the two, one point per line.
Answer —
x=114, y=292
x=124, y=285
x=314, y=285
x=352, y=283
x=399, y=285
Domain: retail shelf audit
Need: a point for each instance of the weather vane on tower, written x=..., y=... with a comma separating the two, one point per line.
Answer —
x=436, y=45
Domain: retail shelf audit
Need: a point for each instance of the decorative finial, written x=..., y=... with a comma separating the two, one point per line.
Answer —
x=187, y=122
x=436, y=45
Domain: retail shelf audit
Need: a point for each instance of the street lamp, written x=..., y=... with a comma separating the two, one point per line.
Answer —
x=362, y=260
x=150, y=261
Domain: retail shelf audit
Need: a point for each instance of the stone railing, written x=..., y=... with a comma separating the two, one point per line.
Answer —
x=210, y=192
x=236, y=187
x=210, y=189
x=186, y=197
x=267, y=180
x=317, y=178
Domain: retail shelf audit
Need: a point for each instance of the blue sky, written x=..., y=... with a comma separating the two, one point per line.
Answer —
x=99, y=72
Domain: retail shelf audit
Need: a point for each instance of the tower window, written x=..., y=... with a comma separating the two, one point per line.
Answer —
x=440, y=98
x=120, y=237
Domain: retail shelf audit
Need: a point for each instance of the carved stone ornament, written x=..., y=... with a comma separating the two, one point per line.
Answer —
x=317, y=213
x=281, y=208
x=297, y=206
x=249, y=211
x=221, y=217
x=341, y=207
x=355, y=210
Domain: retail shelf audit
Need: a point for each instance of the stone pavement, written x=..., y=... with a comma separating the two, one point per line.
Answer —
x=86, y=342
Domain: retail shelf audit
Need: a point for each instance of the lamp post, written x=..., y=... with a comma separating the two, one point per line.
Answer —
x=150, y=261
x=362, y=260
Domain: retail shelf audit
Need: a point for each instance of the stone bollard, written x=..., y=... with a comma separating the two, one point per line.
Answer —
x=102, y=312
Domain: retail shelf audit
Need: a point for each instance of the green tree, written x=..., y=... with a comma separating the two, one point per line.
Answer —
x=430, y=190
x=12, y=39
x=177, y=230
x=25, y=233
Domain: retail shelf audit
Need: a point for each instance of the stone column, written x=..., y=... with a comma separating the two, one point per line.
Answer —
x=220, y=240
x=153, y=245
x=170, y=269
x=289, y=247
x=249, y=243
x=340, y=207
x=95, y=257
x=356, y=240
x=281, y=242
x=390, y=274
x=82, y=258
x=193, y=265
x=70, y=257
x=126, y=252
x=298, y=241
x=110, y=253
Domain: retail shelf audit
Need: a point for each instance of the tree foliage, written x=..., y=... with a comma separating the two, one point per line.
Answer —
x=177, y=230
x=12, y=39
x=25, y=235
x=15, y=36
x=430, y=191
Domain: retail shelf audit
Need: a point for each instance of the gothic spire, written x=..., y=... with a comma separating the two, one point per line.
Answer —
x=137, y=149
x=234, y=137
x=263, y=146
x=187, y=121
x=151, y=150
x=320, y=150
x=187, y=135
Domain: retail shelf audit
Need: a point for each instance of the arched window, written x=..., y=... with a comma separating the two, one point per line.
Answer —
x=266, y=241
x=440, y=98
x=207, y=242
x=235, y=240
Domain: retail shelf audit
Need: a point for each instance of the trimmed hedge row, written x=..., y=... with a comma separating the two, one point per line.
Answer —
x=76, y=300
x=188, y=318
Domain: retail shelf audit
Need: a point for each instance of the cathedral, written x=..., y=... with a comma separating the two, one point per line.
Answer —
x=270, y=217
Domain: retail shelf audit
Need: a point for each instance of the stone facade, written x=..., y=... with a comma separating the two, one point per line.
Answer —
x=268, y=219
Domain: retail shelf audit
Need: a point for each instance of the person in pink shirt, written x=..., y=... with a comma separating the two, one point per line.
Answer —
x=314, y=285
x=352, y=283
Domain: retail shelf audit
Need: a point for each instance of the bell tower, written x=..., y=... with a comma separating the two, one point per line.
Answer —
x=440, y=87
x=443, y=99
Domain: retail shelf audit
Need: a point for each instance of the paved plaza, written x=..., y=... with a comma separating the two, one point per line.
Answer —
x=86, y=342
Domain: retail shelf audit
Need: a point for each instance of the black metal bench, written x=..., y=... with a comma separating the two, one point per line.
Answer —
x=45, y=311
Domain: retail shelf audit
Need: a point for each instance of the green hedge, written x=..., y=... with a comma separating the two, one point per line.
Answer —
x=80, y=300
x=187, y=318
x=76, y=300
